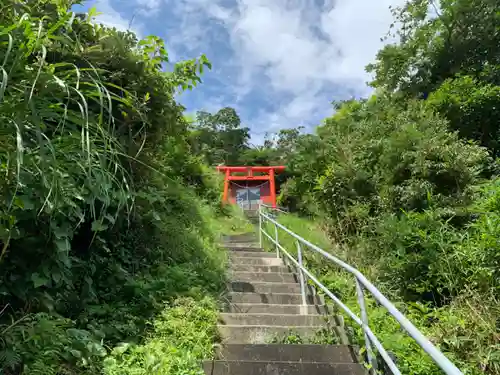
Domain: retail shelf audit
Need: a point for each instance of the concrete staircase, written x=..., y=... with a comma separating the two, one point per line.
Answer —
x=265, y=312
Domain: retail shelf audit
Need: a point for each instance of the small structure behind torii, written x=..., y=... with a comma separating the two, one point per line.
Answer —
x=250, y=186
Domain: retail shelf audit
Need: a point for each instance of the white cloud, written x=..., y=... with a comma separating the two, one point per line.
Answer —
x=149, y=7
x=355, y=27
x=303, y=51
x=296, y=53
x=112, y=18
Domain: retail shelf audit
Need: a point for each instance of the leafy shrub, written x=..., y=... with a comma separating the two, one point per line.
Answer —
x=399, y=192
x=181, y=337
x=465, y=329
x=472, y=107
x=105, y=214
x=48, y=344
x=477, y=255
x=414, y=252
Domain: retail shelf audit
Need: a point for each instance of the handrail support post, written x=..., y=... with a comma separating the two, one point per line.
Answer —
x=276, y=239
x=260, y=225
x=364, y=320
x=301, y=274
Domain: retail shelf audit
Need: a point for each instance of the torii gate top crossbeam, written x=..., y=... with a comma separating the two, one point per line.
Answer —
x=277, y=168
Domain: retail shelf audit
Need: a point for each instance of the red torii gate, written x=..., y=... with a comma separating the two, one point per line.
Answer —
x=269, y=175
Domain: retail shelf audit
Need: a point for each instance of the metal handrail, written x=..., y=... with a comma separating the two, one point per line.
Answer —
x=279, y=209
x=361, y=283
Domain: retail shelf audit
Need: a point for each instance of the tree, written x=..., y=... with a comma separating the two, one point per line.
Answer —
x=437, y=41
x=259, y=155
x=472, y=107
x=219, y=137
x=284, y=143
x=448, y=51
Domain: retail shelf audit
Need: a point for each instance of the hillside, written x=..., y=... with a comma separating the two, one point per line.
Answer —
x=110, y=214
x=108, y=223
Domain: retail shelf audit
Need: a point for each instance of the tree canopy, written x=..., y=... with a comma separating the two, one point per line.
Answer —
x=448, y=51
x=219, y=137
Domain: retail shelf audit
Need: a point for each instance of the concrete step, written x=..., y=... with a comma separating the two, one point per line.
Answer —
x=273, y=298
x=260, y=287
x=260, y=334
x=257, y=268
x=245, y=237
x=280, y=368
x=273, y=319
x=268, y=277
x=264, y=308
x=253, y=218
x=256, y=261
x=249, y=253
x=242, y=245
x=288, y=353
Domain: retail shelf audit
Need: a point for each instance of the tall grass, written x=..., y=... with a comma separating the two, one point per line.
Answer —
x=106, y=217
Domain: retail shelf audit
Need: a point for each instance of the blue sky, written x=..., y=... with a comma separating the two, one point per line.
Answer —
x=279, y=63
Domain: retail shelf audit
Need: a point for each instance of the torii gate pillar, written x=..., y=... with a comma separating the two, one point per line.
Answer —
x=251, y=174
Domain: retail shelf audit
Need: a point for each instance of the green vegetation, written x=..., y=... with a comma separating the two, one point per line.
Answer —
x=219, y=137
x=181, y=337
x=109, y=223
x=459, y=328
x=406, y=183
x=110, y=215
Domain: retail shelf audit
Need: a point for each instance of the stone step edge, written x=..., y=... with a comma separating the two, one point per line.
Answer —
x=338, y=329
x=238, y=254
x=327, y=317
x=270, y=326
x=240, y=244
x=252, y=258
x=262, y=273
x=283, y=271
x=253, y=250
x=278, y=304
x=235, y=316
x=261, y=367
x=235, y=254
x=281, y=362
x=269, y=314
x=246, y=352
x=330, y=303
x=293, y=295
x=269, y=283
x=289, y=277
x=274, y=294
x=256, y=346
x=288, y=286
